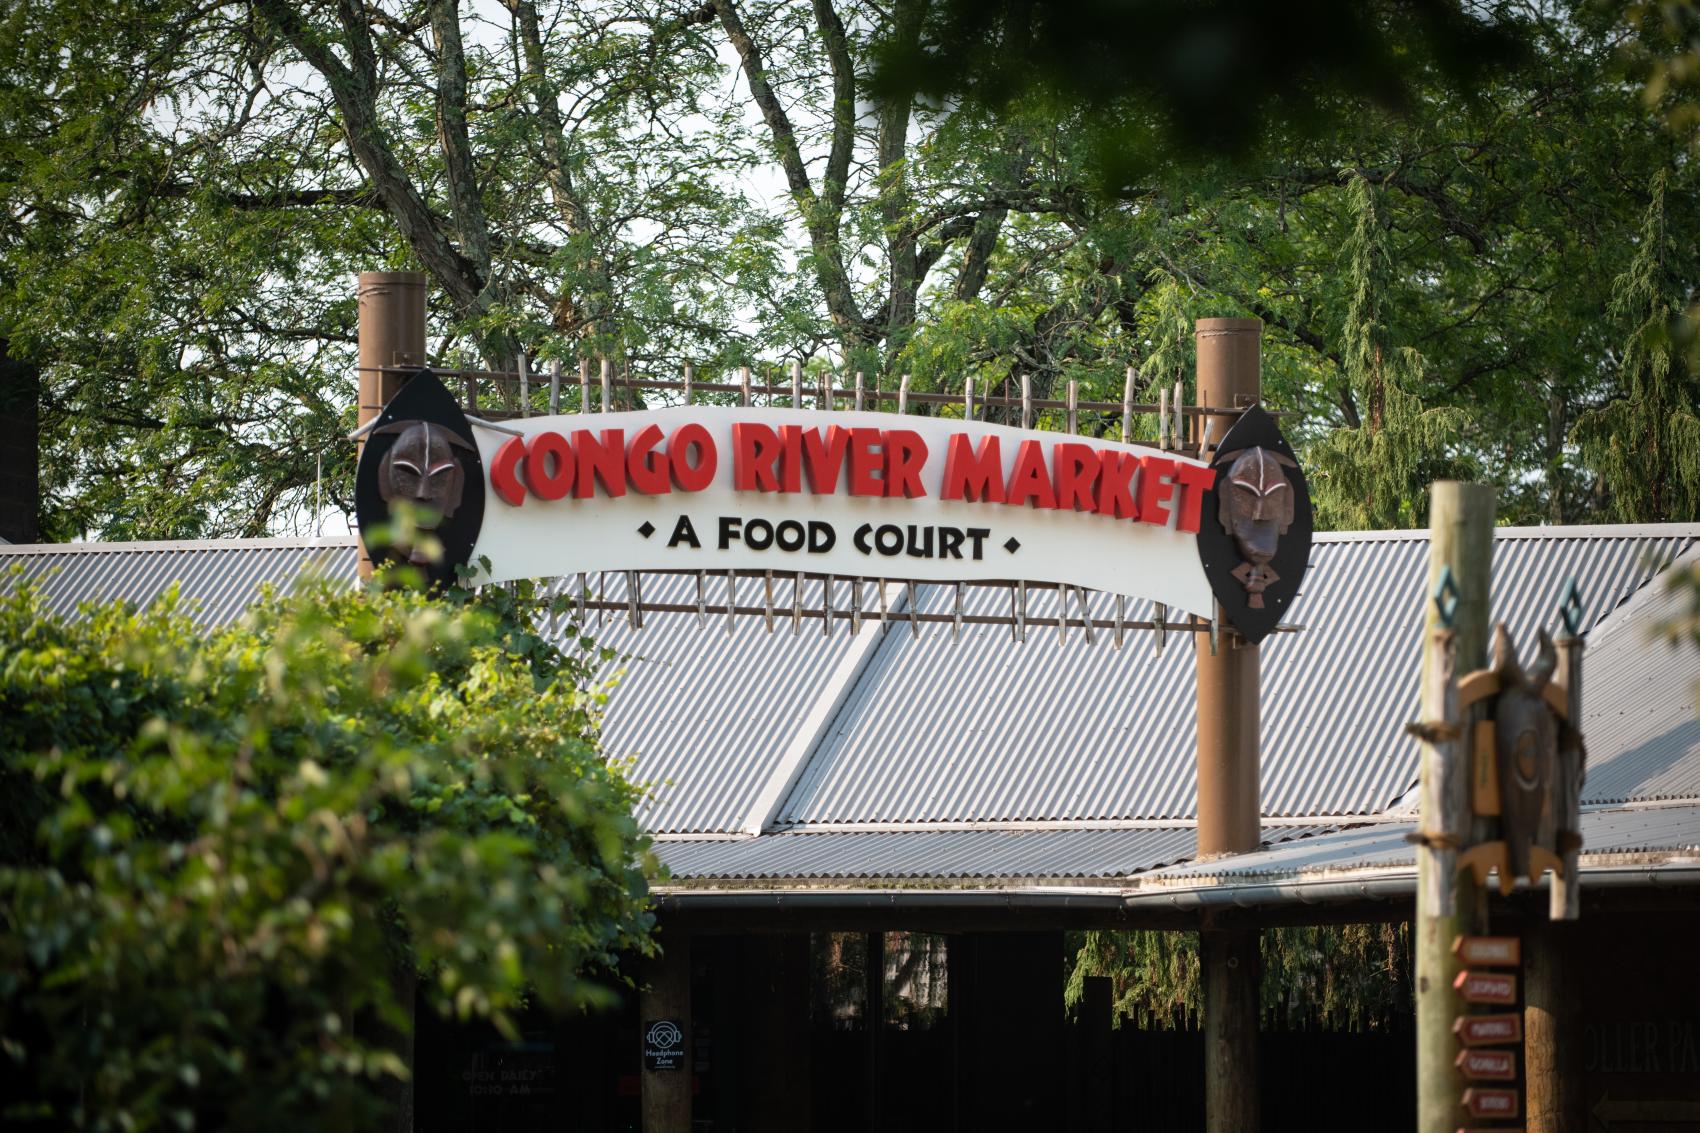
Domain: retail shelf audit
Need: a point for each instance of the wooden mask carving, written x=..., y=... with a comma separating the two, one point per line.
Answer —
x=1256, y=505
x=424, y=468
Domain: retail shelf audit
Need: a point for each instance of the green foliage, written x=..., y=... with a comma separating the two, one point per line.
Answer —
x=1155, y=977
x=1662, y=52
x=1351, y=977
x=1373, y=474
x=1646, y=442
x=225, y=855
x=1337, y=977
x=189, y=188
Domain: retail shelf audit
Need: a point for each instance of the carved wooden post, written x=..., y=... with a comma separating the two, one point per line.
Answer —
x=1460, y=558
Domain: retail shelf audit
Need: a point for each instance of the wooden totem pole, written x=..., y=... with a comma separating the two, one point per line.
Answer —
x=1502, y=768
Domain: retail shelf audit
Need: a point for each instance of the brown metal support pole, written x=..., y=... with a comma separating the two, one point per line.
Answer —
x=1228, y=712
x=666, y=994
x=392, y=333
x=1229, y=814
x=1460, y=540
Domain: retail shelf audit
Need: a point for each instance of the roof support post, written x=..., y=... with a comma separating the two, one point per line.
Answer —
x=666, y=998
x=1228, y=810
x=1552, y=1026
x=392, y=333
x=1229, y=814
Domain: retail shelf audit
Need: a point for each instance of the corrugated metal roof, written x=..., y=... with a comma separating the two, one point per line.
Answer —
x=1640, y=717
x=983, y=730
x=988, y=730
x=952, y=854
x=707, y=713
x=219, y=578
x=1383, y=845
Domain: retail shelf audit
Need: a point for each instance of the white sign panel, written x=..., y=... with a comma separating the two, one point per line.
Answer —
x=871, y=495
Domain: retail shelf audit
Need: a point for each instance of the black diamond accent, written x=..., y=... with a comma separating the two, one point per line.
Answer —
x=647, y=529
x=1012, y=544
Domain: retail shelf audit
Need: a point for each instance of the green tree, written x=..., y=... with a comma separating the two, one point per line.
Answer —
x=190, y=187
x=225, y=857
x=1646, y=440
x=1373, y=475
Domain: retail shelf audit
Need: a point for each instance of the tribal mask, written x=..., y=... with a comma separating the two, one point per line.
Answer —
x=1257, y=502
x=424, y=469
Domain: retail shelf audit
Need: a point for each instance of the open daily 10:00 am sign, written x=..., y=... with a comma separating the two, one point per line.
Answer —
x=856, y=494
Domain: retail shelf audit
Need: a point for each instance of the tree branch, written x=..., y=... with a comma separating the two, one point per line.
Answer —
x=357, y=100
x=452, y=135
x=820, y=217
x=843, y=107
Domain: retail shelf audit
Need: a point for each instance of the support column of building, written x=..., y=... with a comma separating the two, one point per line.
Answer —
x=391, y=333
x=774, y=1074
x=1229, y=814
x=666, y=994
x=20, y=448
x=1552, y=1027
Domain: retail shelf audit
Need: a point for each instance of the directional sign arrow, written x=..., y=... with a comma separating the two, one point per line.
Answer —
x=1488, y=951
x=1487, y=987
x=1491, y=1103
x=1489, y=1030
x=1487, y=1065
x=1610, y=1111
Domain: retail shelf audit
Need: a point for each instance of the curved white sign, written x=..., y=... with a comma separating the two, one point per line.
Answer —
x=872, y=495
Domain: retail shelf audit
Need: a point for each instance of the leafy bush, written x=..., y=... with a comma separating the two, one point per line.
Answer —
x=225, y=857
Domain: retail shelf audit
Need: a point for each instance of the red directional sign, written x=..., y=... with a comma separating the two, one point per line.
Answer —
x=1488, y=951
x=1487, y=1065
x=1491, y=1103
x=1489, y=1030
x=1487, y=987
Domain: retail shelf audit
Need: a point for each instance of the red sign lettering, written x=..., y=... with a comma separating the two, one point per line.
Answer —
x=1487, y=1065
x=1491, y=1103
x=1488, y=951
x=1489, y=1030
x=1486, y=987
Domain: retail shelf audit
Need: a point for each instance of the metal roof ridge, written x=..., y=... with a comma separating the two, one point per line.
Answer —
x=1652, y=588
x=1543, y=531
x=279, y=543
x=805, y=746
x=1028, y=826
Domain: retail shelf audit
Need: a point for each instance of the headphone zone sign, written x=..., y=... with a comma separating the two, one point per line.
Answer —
x=854, y=494
x=663, y=1045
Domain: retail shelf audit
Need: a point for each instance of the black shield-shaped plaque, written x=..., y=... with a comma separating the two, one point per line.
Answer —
x=1254, y=535
x=421, y=450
